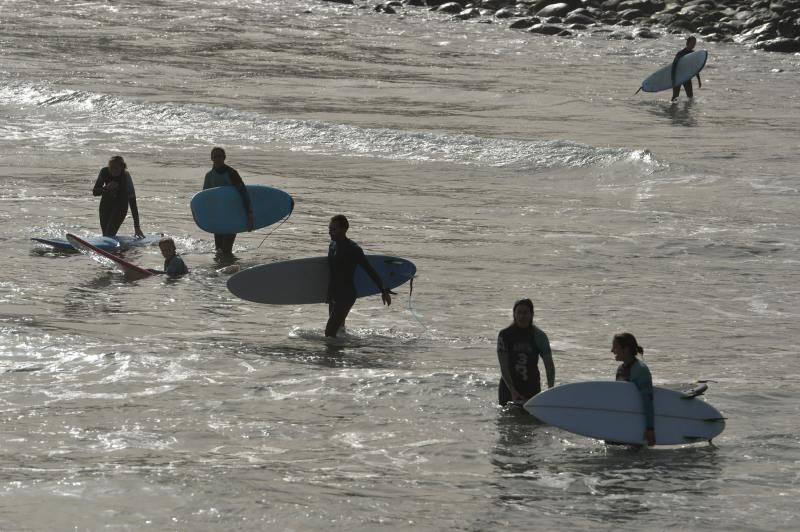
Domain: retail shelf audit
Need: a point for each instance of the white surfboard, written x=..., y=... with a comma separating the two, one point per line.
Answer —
x=612, y=411
x=688, y=67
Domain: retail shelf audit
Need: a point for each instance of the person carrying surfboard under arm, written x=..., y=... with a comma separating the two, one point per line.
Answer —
x=115, y=185
x=222, y=175
x=625, y=348
x=173, y=263
x=676, y=89
x=344, y=256
x=519, y=348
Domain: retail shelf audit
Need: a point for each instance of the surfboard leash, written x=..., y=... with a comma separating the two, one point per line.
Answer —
x=276, y=228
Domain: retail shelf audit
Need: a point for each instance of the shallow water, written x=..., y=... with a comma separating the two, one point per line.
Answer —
x=503, y=164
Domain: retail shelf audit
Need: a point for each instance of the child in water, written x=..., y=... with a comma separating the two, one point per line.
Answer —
x=173, y=263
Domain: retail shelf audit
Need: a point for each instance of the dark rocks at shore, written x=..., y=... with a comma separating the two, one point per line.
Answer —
x=769, y=25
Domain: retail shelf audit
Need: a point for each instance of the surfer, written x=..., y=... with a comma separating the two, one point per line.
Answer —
x=625, y=348
x=115, y=185
x=173, y=263
x=343, y=257
x=676, y=89
x=222, y=175
x=519, y=348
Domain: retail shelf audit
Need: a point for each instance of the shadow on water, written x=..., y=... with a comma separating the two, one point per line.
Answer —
x=680, y=112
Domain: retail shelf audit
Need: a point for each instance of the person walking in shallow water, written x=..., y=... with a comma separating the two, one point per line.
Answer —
x=519, y=348
x=344, y=256
x=625, y=348
x=222, y=175
x=115, y=185
x=687, y=86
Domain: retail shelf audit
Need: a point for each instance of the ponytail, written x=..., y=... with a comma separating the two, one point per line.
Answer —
x=628, y=341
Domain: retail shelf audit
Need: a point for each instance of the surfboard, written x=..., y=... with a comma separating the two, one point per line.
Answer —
x=100, y=242
x=130, y=270
x=305, y=281
x=688, y=67
x=220, y=209
x=612, y=411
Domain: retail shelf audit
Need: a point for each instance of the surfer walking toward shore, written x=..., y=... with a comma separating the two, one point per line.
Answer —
x=687, y=86
x=344, y=256
x=519, y=348
x=625, y=348
x=222, y=175
x=115, y=186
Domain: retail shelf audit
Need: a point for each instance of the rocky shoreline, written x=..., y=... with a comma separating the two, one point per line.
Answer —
x=773, y=26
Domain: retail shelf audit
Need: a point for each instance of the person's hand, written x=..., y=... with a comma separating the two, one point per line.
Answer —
x=138, y=231
x=250, y=223
x=386, y=296
x=650, y=437
x=151, y=270
x=699, y=84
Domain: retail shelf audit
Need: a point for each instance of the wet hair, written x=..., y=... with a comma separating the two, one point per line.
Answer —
x=691, y=38
x=118, y=159
x=341, y=219
x=217, y=148
x=628, y=341
x=524, y=302
x=167, y=240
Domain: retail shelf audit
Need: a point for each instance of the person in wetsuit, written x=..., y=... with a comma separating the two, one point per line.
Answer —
x=676, y=89
x=115, y=185
x=222, y=175
x=625, y=348
x=344, y=256
x=173, y=263
x=519, y=348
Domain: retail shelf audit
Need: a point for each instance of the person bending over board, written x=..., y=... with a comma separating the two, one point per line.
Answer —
x=676, y=89
x=115, y=185
x=344, y=256
x=173, y=263
x=625, y=348
x=222, y=175
x=519, y=348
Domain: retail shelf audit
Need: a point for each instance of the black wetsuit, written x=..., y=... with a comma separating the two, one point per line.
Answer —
x=521, y=349
x=114, y=203
x=676, y=90
x=227, y=176
x=343, y=258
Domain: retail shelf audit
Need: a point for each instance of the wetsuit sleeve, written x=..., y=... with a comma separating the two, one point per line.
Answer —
x=207, y=181
x=362, y=261
x=237, y=181
x=505, y=369
x=132, y=200
x=675, y=63
x=176, y=267
x=547, y=358
x=641, y=377
x=98, y=185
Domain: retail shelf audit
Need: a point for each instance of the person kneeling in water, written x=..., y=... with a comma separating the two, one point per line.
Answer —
x=173, y=263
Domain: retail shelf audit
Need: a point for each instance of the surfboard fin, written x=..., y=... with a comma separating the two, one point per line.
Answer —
x=714, y=419
x=699, y=390
x=637, y=91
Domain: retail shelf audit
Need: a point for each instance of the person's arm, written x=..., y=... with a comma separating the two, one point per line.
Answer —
x=237, y=181
x=505, y=369
x=699, y=83
x=134, y=207
x=547, y=358
x=362, y=261
x=97, y=190
x=675, y=66
x=176, y=267
x=207, y=181
x=644, y=382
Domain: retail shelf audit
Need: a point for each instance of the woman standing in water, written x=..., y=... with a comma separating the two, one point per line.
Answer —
x=625, y=348
x=222, y=175
x=115, y=185
x=519, y=348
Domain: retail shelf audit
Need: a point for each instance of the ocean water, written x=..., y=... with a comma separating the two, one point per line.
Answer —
x=504, y=164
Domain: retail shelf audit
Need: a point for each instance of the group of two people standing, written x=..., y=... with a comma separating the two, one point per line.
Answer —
x=115, y=185
x=522, y=344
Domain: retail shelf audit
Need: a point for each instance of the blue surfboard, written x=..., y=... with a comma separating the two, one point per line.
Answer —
x=688, y=67
x=101, y=242
x=305, y=281
x=220, y=209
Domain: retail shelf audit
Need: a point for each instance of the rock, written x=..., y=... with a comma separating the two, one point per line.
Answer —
x=545, y=29
x=780, y=45
x=524, y=23
x=349, y=2
x=471, y=12
x=506, y=12
x=631, y=14
x=437, y=3
x=644, y=33
x=645, y=6
x=450, y=7
x=554, y=10
x=620, y=36
x=579, y=19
